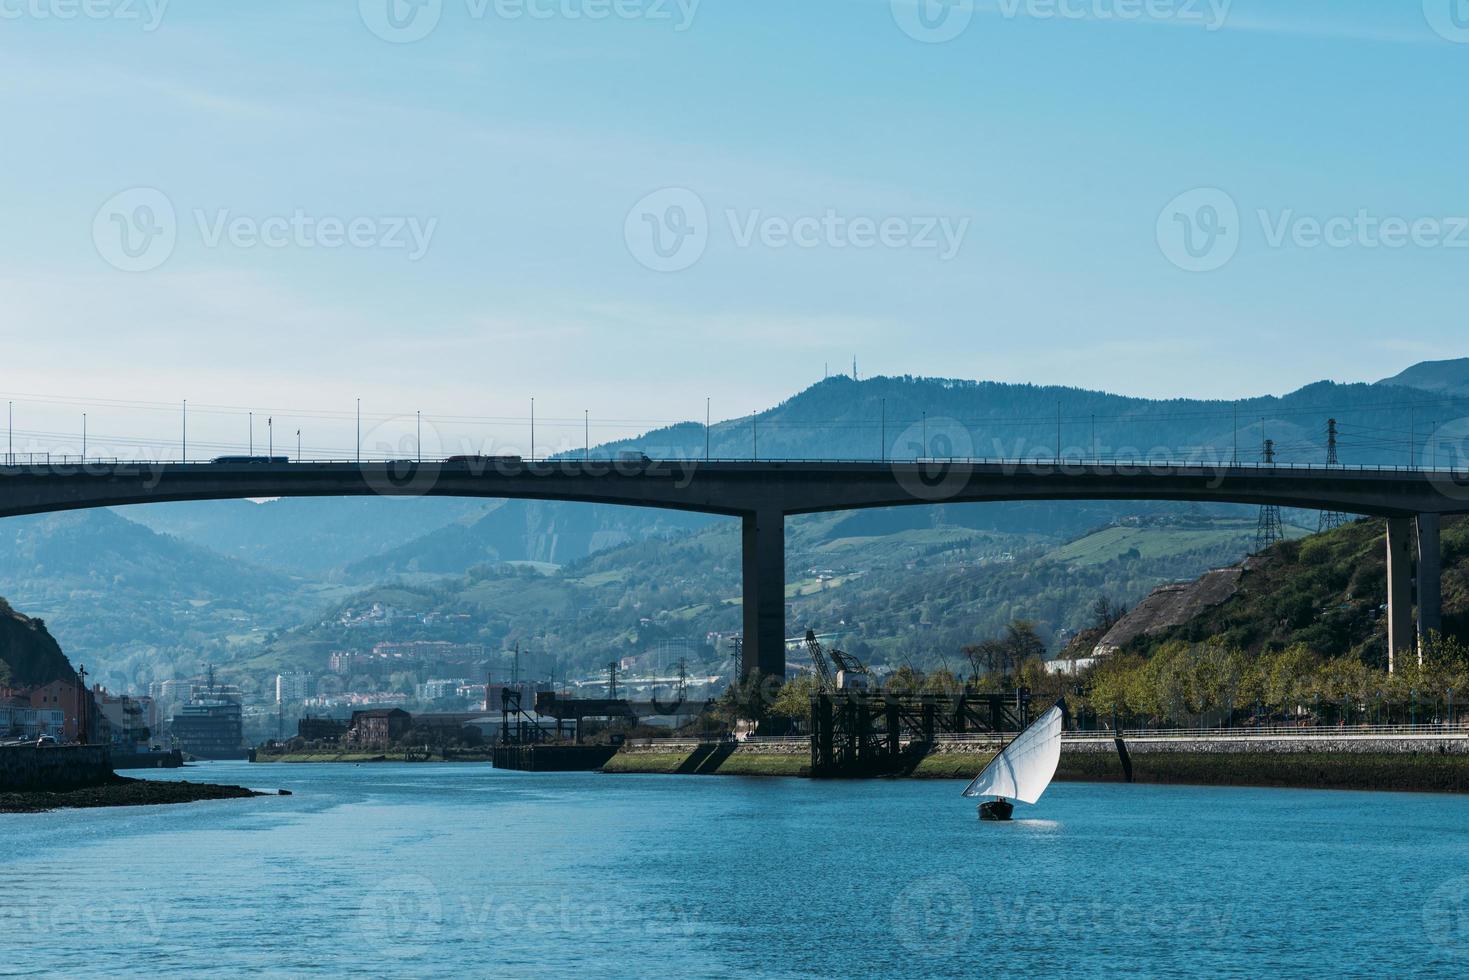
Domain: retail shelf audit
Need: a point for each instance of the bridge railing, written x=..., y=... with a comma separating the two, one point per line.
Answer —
x=33, y=460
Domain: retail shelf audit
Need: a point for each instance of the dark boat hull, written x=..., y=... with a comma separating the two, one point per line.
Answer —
x=996, y=810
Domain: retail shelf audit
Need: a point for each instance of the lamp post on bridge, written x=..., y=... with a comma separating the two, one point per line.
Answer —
x=184, y=444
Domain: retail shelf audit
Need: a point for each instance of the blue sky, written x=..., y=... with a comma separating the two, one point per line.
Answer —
x=504, y=174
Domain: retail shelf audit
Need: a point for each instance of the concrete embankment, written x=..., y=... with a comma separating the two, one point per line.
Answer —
x=713, y=758
x=53, y=767
x=1434, y=764
x=1422, y=763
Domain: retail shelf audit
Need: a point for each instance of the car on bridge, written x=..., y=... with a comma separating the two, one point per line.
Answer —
x=504, y=460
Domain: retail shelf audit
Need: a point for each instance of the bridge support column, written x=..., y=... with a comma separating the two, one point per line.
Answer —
x=1399, y=591
x=1430, y=573
x=764, y=558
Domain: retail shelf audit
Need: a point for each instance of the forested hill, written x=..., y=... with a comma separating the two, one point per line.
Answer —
x=1325, y=593
x=898, y=417
x=29, y=657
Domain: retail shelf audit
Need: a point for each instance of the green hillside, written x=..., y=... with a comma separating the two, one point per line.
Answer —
x=916, y=594
x=1165, y=539
x=1327, y=594
x=135, y=605
x=29, y=656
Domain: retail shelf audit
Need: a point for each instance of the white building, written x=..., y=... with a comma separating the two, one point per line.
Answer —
x=295, y=686
x=437, y=690
x=22, y=720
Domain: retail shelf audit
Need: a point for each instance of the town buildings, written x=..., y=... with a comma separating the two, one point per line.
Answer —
x=378, y=727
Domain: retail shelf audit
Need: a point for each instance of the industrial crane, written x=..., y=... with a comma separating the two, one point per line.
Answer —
x=850, y=674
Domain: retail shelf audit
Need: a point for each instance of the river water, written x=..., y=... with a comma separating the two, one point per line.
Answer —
x=428, y=870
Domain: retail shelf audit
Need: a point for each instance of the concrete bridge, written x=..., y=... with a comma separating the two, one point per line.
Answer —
x=763, y=493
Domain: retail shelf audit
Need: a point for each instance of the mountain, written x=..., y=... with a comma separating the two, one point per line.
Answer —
x=302, y=535
x=506, y=530
x=911, y=593
x=904, y=417
x=265, y=583
x=29, y=656
x=120, y=595
x=896, y=417
x=1440, y=377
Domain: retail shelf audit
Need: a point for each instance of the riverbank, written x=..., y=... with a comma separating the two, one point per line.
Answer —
x=120, y=791
x=1416, y=765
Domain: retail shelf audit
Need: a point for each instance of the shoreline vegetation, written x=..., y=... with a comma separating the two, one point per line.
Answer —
x=120, y=791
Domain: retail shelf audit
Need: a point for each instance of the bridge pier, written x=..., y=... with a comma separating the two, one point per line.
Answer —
x=1399, y=591
x=763, y=562
x=1430, y=575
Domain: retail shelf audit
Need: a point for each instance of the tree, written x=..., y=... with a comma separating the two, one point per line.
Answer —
x=1105, y=613
x=1022, y=643
x=794, y=698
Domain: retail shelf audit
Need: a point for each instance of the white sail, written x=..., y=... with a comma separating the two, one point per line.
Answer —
x=1024, y=769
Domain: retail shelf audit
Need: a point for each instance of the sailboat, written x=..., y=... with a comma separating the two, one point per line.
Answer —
x=1023, y=769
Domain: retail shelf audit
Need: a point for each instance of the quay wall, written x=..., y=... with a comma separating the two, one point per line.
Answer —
x=1400, y=763
x=53, y=767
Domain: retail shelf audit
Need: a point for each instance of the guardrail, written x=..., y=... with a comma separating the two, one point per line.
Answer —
x=64, y=459
x=1315, y=731
x=1285, y=731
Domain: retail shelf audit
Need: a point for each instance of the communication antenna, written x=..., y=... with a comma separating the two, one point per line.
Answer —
x=1269, y=531
x=1331, y=519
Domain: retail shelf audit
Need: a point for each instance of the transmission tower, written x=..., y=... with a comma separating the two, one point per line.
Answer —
x=612, y=680
x=1269, y=531
x=1330, y=519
